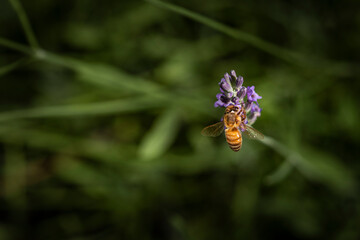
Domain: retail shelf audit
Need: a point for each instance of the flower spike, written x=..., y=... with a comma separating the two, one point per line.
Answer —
x=234, y=93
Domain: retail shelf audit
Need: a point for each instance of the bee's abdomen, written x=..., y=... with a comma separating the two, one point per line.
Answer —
x=234, y=139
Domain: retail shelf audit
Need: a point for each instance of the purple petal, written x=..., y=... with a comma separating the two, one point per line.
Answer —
x=241, y=93
x=254, y=114
x=252, y=95
x=248, y=105
x=224, y=99
x=218, y=96
x=233, y=74
x=225, y=85
x=218, y=104
x=250, y=90
x=228, y=104
x=227, y=78
x=238, y=83
x=255, y=108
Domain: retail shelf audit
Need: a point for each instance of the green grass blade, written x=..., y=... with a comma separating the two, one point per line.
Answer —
x=314, y=165
x=161, y=135
x=99, y=108
x=109, y=152
x=12, y=66
x=327, y=169
x=104, y=75
x=280, y=173
x=285, y=54
x=25, y=24
x=15, y=46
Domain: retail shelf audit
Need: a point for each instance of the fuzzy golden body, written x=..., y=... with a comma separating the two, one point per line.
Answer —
x=233, y=138
x=234, y=123
x=232, y=120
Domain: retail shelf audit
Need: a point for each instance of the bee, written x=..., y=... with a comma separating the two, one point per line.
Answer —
x=234, y=123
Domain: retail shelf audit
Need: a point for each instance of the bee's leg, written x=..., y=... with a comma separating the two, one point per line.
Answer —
x=242, y=114
x=238, y=121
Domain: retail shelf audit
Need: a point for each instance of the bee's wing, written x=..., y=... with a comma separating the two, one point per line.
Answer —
x=213, y=130
x=252, y=133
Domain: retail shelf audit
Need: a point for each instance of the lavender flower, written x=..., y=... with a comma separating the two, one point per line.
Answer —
x=255, y=112
x=252, y=95
x=234, y=93
x=231, y=90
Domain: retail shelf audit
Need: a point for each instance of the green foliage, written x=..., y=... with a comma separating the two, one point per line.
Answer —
x=158, y=140
x=102, y=107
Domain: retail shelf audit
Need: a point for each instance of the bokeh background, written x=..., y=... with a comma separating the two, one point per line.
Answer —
x=102, y=104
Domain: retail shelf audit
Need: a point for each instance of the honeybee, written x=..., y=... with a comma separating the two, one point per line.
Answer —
x=234, y=123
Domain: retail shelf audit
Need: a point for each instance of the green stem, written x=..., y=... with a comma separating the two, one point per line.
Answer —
x=25, y=24
x=292, y=157
x=16, y=46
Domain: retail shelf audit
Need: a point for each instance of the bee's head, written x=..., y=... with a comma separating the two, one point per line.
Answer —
x=232, y=109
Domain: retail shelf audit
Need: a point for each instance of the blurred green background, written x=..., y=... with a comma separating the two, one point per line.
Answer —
x=102, y=104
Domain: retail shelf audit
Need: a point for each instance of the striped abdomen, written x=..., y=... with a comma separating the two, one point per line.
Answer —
x=234, y=139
